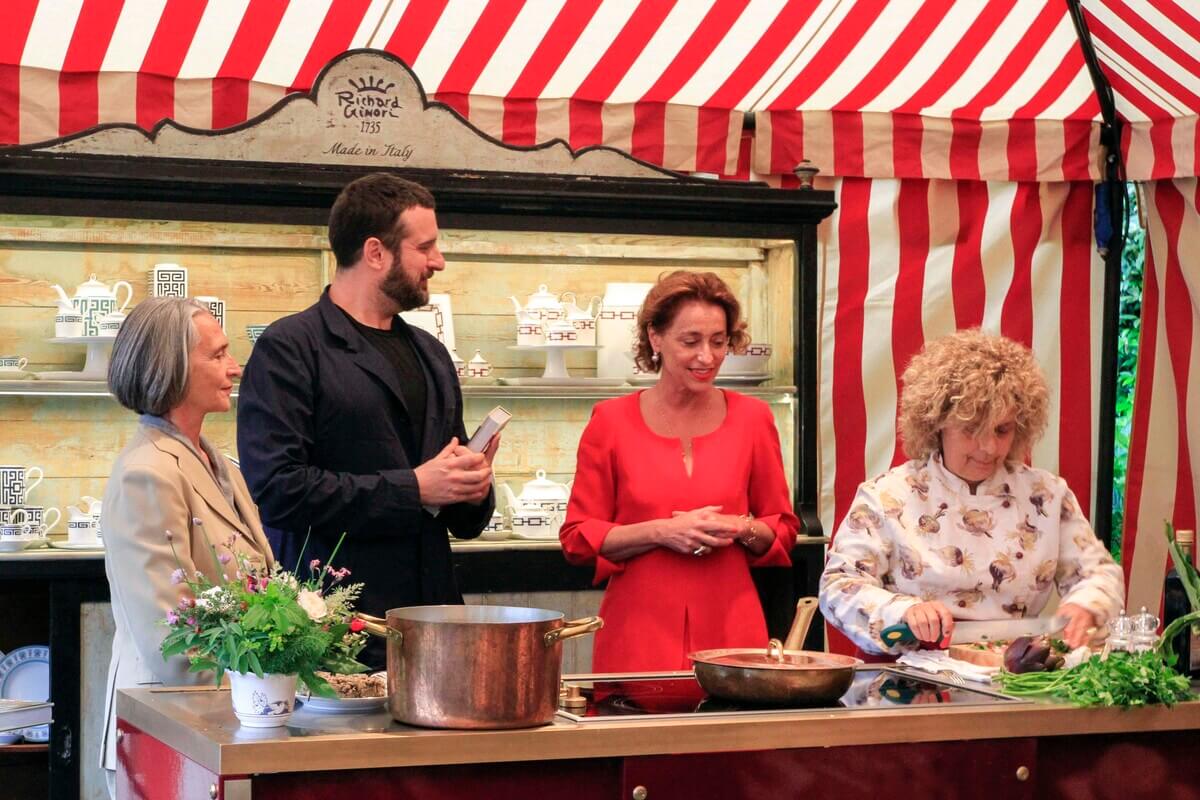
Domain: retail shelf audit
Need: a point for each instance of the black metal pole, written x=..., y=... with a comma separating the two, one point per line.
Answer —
x=1114, y=176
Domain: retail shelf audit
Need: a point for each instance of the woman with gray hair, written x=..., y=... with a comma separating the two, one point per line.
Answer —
x=171, y=495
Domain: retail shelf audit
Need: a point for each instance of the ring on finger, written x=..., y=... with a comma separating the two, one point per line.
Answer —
x=702, y=550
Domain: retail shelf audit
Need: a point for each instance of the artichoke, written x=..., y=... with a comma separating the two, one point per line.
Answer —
x=1031, y=654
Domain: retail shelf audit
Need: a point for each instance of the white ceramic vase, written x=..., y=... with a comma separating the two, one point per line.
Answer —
x=264, y=702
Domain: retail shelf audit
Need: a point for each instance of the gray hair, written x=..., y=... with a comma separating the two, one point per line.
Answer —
x=148, y=371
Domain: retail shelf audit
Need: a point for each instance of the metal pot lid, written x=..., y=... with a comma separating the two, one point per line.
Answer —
x=773, y=657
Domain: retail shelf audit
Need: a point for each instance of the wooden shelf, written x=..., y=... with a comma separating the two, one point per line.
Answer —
x=36, y=388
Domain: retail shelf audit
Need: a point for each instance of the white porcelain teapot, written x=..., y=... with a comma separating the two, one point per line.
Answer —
x=542, y=305
x=583, y=320
x=94, y=299
x=528, y=521
x=546, y=494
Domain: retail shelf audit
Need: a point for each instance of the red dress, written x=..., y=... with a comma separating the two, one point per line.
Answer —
x=662, y=605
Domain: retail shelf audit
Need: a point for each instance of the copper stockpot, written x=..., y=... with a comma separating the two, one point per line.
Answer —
x=475, y=666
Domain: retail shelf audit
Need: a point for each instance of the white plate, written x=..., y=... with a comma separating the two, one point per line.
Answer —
x=97, y=547
x=539, y=381
x=553, y=537
x=342, y=705
x=25, y=675
x=23, y=544
x=742, y=380
x=435, y=318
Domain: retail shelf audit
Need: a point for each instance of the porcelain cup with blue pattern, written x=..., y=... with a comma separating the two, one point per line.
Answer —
x=12, y=363
x=16, y=483
x=16, y=533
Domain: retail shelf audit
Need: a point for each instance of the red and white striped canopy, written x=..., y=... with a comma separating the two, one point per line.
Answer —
x=991, y=89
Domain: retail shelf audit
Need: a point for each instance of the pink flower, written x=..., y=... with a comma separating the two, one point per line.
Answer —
x=172, y=618
x=191, y=620
x=224, y=558
x=185, y=603
x=312, y=565
x=178, y=576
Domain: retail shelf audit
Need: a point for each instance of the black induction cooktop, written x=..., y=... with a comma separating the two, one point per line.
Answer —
x=678, y=695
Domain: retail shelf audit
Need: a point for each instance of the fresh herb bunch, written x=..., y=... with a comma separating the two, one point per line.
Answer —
x=266, y=621
x=1120, y=679
x=1191, y=587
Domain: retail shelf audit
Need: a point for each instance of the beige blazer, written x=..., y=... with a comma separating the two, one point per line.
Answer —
x=158, y=484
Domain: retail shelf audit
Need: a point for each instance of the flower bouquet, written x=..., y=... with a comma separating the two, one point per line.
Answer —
x=267, y=629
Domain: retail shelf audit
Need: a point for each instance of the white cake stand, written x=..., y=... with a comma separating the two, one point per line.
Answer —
x=95, y=365
x=555, y=373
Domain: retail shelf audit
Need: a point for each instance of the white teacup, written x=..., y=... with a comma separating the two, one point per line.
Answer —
x=561, y=332
x=495, y=529
x=168, y=280
x=17, y=533
x=110, y=324
x=37, y=517
x=68, y=324
x=13, y=363
x=529, y=332
x=215, y=305
x=16, y=483
x=533, y=523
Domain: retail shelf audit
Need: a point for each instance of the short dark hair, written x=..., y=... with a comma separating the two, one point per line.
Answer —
x=371, y=206
x=672, y=291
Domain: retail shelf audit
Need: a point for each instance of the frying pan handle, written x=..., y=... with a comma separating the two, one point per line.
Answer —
x=576, y=627
x=805, y=608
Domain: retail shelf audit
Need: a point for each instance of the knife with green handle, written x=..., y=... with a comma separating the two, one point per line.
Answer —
x=980, y=631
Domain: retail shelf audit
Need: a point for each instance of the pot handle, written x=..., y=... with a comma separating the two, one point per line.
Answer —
x=378, y=627
x=576, y=627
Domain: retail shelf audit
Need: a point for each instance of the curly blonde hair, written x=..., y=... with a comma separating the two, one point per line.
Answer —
x=669, y=294
x=975, y=380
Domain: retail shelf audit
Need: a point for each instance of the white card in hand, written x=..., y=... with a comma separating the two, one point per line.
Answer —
x=492, y=424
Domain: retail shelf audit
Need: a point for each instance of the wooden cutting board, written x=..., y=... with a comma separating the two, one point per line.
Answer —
x=993, y=656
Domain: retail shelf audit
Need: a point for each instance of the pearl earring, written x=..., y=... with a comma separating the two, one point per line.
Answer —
x=654, y=357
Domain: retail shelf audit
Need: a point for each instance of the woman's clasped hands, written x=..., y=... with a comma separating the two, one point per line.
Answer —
x=699, y=531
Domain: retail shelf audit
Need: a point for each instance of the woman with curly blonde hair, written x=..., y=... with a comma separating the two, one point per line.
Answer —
x=966, y=530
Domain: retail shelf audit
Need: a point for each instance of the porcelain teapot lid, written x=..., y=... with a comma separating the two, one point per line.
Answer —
x=93, y=288
x=542, y=488
x=542, y=298
x=478, y=358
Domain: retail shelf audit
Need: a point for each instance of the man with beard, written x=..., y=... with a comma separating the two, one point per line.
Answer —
x=350, y=421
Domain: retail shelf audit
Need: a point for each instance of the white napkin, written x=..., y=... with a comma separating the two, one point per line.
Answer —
x=936, y=661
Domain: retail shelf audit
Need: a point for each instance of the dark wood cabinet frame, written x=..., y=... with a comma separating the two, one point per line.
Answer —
x=175, y=189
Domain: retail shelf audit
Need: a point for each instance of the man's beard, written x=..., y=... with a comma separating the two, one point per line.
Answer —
x=405, y=293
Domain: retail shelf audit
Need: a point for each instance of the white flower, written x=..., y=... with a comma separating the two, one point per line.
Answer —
x=312, y=603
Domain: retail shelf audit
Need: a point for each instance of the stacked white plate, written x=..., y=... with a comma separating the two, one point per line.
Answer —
x=25, y=675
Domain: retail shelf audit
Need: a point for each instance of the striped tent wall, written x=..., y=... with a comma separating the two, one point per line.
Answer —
x=906, y=261
x=1164, y=448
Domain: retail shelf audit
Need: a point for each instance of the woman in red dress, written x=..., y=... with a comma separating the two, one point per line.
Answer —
x=679, y=490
